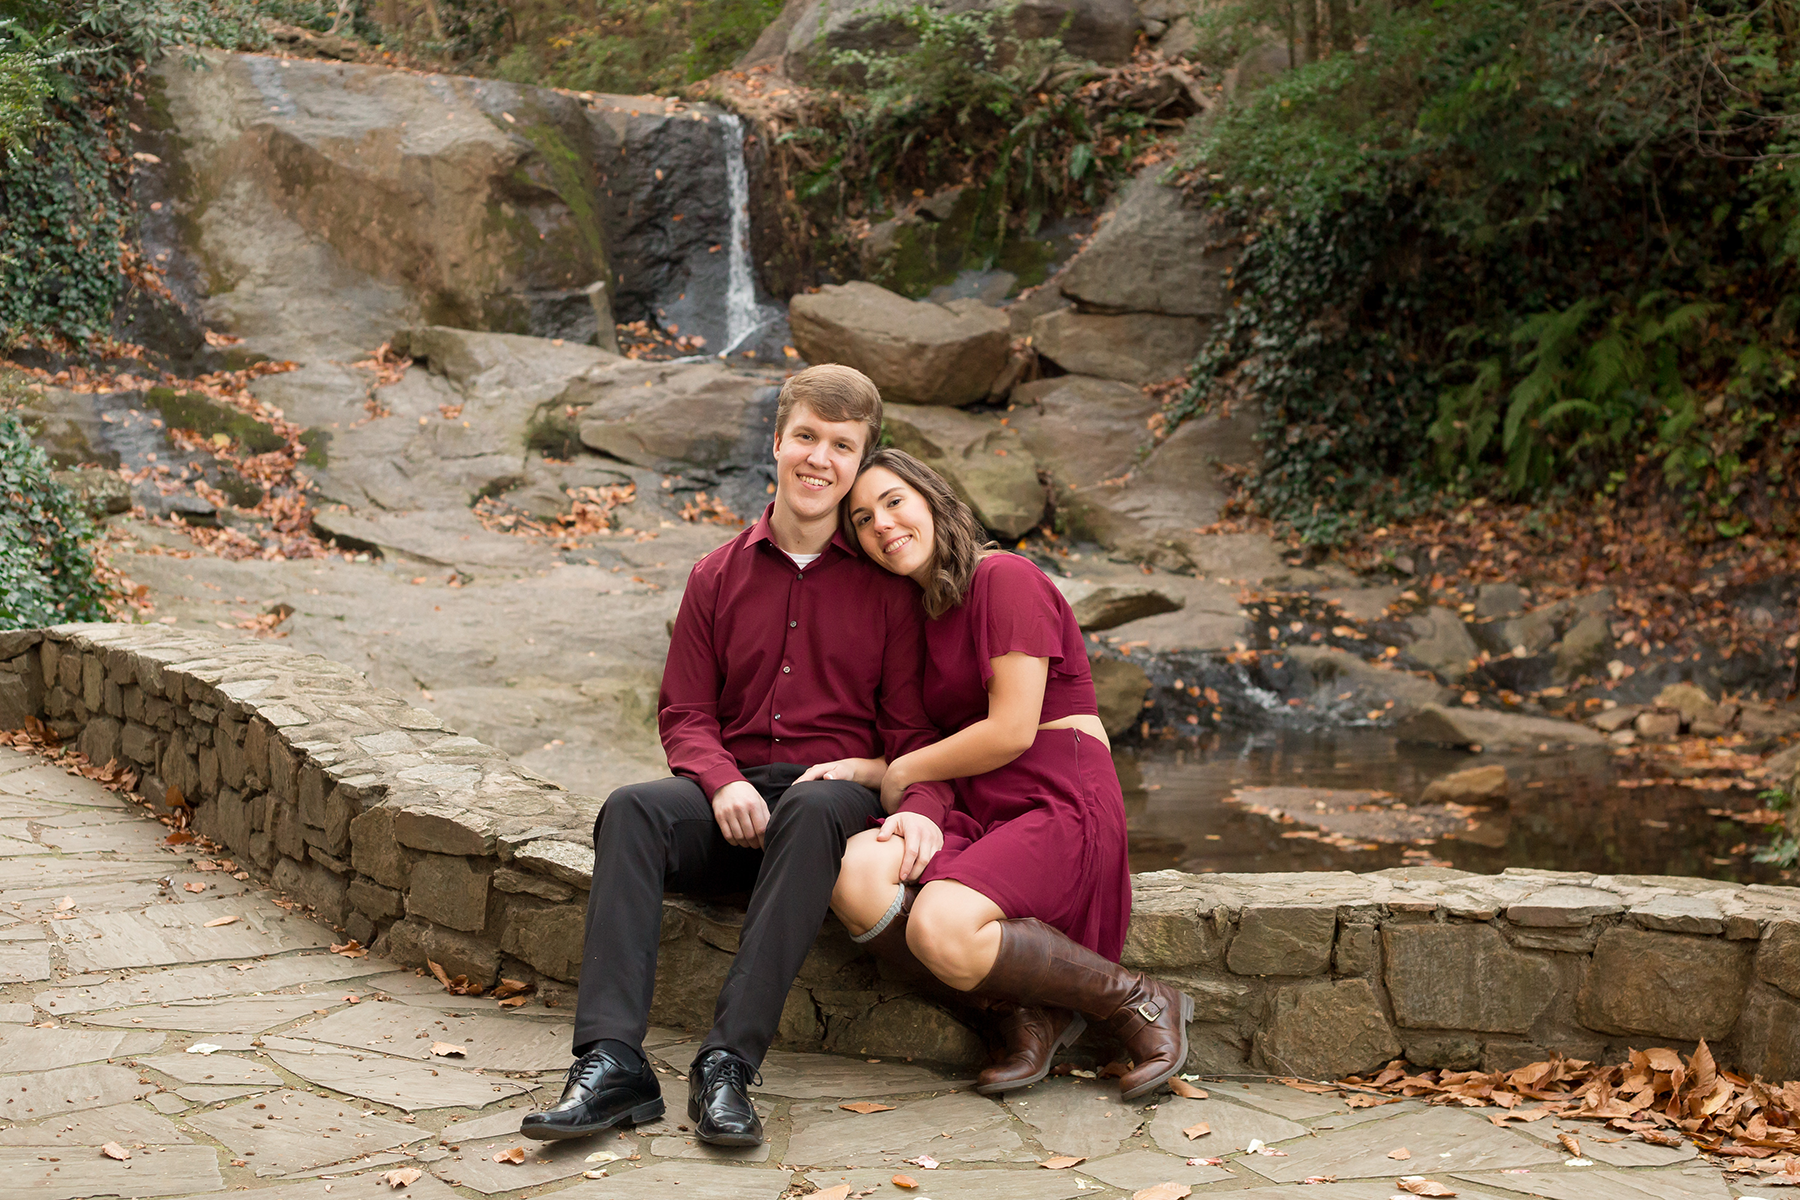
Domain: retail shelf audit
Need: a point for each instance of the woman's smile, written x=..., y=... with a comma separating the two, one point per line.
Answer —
x=892, y=522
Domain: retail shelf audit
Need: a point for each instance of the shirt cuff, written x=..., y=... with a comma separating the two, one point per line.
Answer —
x=922, y=799
x=714, y=778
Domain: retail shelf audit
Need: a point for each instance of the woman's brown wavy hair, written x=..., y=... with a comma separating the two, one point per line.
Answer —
x=958, y=540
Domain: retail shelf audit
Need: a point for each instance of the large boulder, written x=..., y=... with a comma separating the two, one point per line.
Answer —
x=1135, y=347
x=983, y=460
x=1436, y=724
x=667, y=416
x=915, y=351
x=808, y=33
x=1082, y=431
x=1156, y=252
x=464, y=200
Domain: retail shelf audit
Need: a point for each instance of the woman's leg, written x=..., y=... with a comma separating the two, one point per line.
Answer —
x=867, y=882
x=955, y=930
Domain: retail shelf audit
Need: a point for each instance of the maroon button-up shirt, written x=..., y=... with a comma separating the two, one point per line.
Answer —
x=772, y=663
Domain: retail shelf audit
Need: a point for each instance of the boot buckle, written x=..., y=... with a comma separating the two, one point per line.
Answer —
x=1149, y=1010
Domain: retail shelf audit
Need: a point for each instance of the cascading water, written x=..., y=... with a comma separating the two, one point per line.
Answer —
x=743, y=318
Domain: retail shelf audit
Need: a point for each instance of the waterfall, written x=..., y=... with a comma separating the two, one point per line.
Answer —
x=741, y=316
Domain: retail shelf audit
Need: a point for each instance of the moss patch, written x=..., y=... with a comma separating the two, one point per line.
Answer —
x=206, y=416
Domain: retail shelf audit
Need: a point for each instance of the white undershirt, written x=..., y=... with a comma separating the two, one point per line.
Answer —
x=803, y=561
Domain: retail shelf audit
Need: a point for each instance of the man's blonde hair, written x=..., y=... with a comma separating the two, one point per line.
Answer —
x=835, y=393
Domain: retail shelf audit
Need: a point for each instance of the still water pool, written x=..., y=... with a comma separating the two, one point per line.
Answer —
x=1561, y=812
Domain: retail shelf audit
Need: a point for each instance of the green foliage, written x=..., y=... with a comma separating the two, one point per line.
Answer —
x=1783, y=848
x=636, y=46
x=1508, y=246
x=962, y=98
x=65, y=224
x=46, y=571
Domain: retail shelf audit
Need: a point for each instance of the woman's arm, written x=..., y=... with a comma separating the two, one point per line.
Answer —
x=1015, y=706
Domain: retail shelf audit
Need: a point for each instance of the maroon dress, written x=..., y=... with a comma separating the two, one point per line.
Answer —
x=1043, y=836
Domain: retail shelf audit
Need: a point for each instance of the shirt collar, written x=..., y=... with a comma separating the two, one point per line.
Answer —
x=761, y=532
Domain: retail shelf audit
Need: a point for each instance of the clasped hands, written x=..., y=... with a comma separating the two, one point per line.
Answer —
x=743, y=815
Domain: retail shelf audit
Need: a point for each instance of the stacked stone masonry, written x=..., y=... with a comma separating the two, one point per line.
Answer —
x=427, y=845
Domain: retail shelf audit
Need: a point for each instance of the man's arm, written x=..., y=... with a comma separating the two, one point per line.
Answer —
x=687, y=709
x=900, y=709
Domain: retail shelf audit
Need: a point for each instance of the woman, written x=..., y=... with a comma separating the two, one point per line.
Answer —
x=1027, y=900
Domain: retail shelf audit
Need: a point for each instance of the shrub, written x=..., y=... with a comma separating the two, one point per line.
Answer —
x=1510, y=246
x=47, y=574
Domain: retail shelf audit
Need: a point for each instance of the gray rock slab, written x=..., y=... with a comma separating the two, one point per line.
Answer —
x=1440, y=1141
x=690, y=1181
x=217, y=1069
x=24, y=962
x=1563, y=907
x=816, y=1076
x=367, y=1186
x=184, y=983
x=1352, y=1190
x=16, y=1014
x=1603, y=1183
x=507, y=1043
x=196, y=1093
x=500, y=1124
x=123, y=1123
x=1233, y=1127
x=171, y=934
x=472, y=1164
x=133, y=838
x=1609, y=1146
x=978, y=1129
x=1146, y=1168
x=687, y=1146
x=213, y=1016
x=56, y=785
x=398, y=1082
x=291, y=1131
x=1021, y=1183
x=153, y=1171
x=33, y=1049
x=67, y=1090
x=1082, y=1117
x=168, y=1103
x=1362, y=1116
x=1277, y=1098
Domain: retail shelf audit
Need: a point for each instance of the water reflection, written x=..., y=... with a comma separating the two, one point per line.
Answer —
x=1561, y=812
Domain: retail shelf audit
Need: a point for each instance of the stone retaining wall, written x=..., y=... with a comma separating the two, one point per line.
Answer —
x=425, y=844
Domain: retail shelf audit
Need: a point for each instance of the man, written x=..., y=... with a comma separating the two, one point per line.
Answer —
x=790, y=649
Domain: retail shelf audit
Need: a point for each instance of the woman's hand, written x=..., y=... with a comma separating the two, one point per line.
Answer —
x=922, y=837
x=866, y=771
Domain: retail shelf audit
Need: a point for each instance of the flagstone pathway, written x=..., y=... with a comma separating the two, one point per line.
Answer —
x=186, y=1016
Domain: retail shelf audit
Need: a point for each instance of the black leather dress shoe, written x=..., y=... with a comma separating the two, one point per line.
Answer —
x=601, y=1093
x=719, y=1100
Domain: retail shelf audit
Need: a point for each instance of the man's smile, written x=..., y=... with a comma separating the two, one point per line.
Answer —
x=815, y=482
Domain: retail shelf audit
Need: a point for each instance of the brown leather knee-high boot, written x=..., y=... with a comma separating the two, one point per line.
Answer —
x=1029, y=1036
x=1038, y=964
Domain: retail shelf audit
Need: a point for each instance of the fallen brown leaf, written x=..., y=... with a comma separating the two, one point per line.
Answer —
x=513, y=1001
x=401, y=1176
x=449, y=1049
x=514, y=1156
x=1400, y=1155
x=1371, y=1101
x=840, y=1192
x=1571, y=1143
x=114, y=1150
x=904, y=1181
x=1163, y=1191
x=1197, y=1130
x=439, y=972
x=1185, y=1090
x=216, y=921
x=1061, y=1162
x=1425, y=1187
x=194, y=887
x=350, y=949
x=865, y=1107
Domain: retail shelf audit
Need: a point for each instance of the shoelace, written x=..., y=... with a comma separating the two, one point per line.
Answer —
x=593, y=1060
x=729, y=1068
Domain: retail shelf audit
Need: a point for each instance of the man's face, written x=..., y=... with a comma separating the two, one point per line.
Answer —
x=815, y=462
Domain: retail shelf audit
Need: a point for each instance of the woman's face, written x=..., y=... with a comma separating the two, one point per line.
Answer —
x=892, y=523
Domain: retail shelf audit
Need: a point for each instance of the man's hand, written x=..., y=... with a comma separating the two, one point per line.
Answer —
x=742, y=814
x=866, y=771
x=922, y=837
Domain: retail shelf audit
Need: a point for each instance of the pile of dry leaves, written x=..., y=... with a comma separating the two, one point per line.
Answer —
x=1657, y=1096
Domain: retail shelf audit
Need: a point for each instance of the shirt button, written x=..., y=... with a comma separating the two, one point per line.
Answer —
x=778, y=716
x=793, y=624
x=785, y=670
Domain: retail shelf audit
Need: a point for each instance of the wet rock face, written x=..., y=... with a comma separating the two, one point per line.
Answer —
x=1101, y=30
x=470, y=198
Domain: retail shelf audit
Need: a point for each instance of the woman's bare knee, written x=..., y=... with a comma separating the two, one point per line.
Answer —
x=945, y=931
x=867, y=878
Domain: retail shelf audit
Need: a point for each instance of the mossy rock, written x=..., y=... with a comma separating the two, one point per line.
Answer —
x=208, y=417
x=318, y=445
